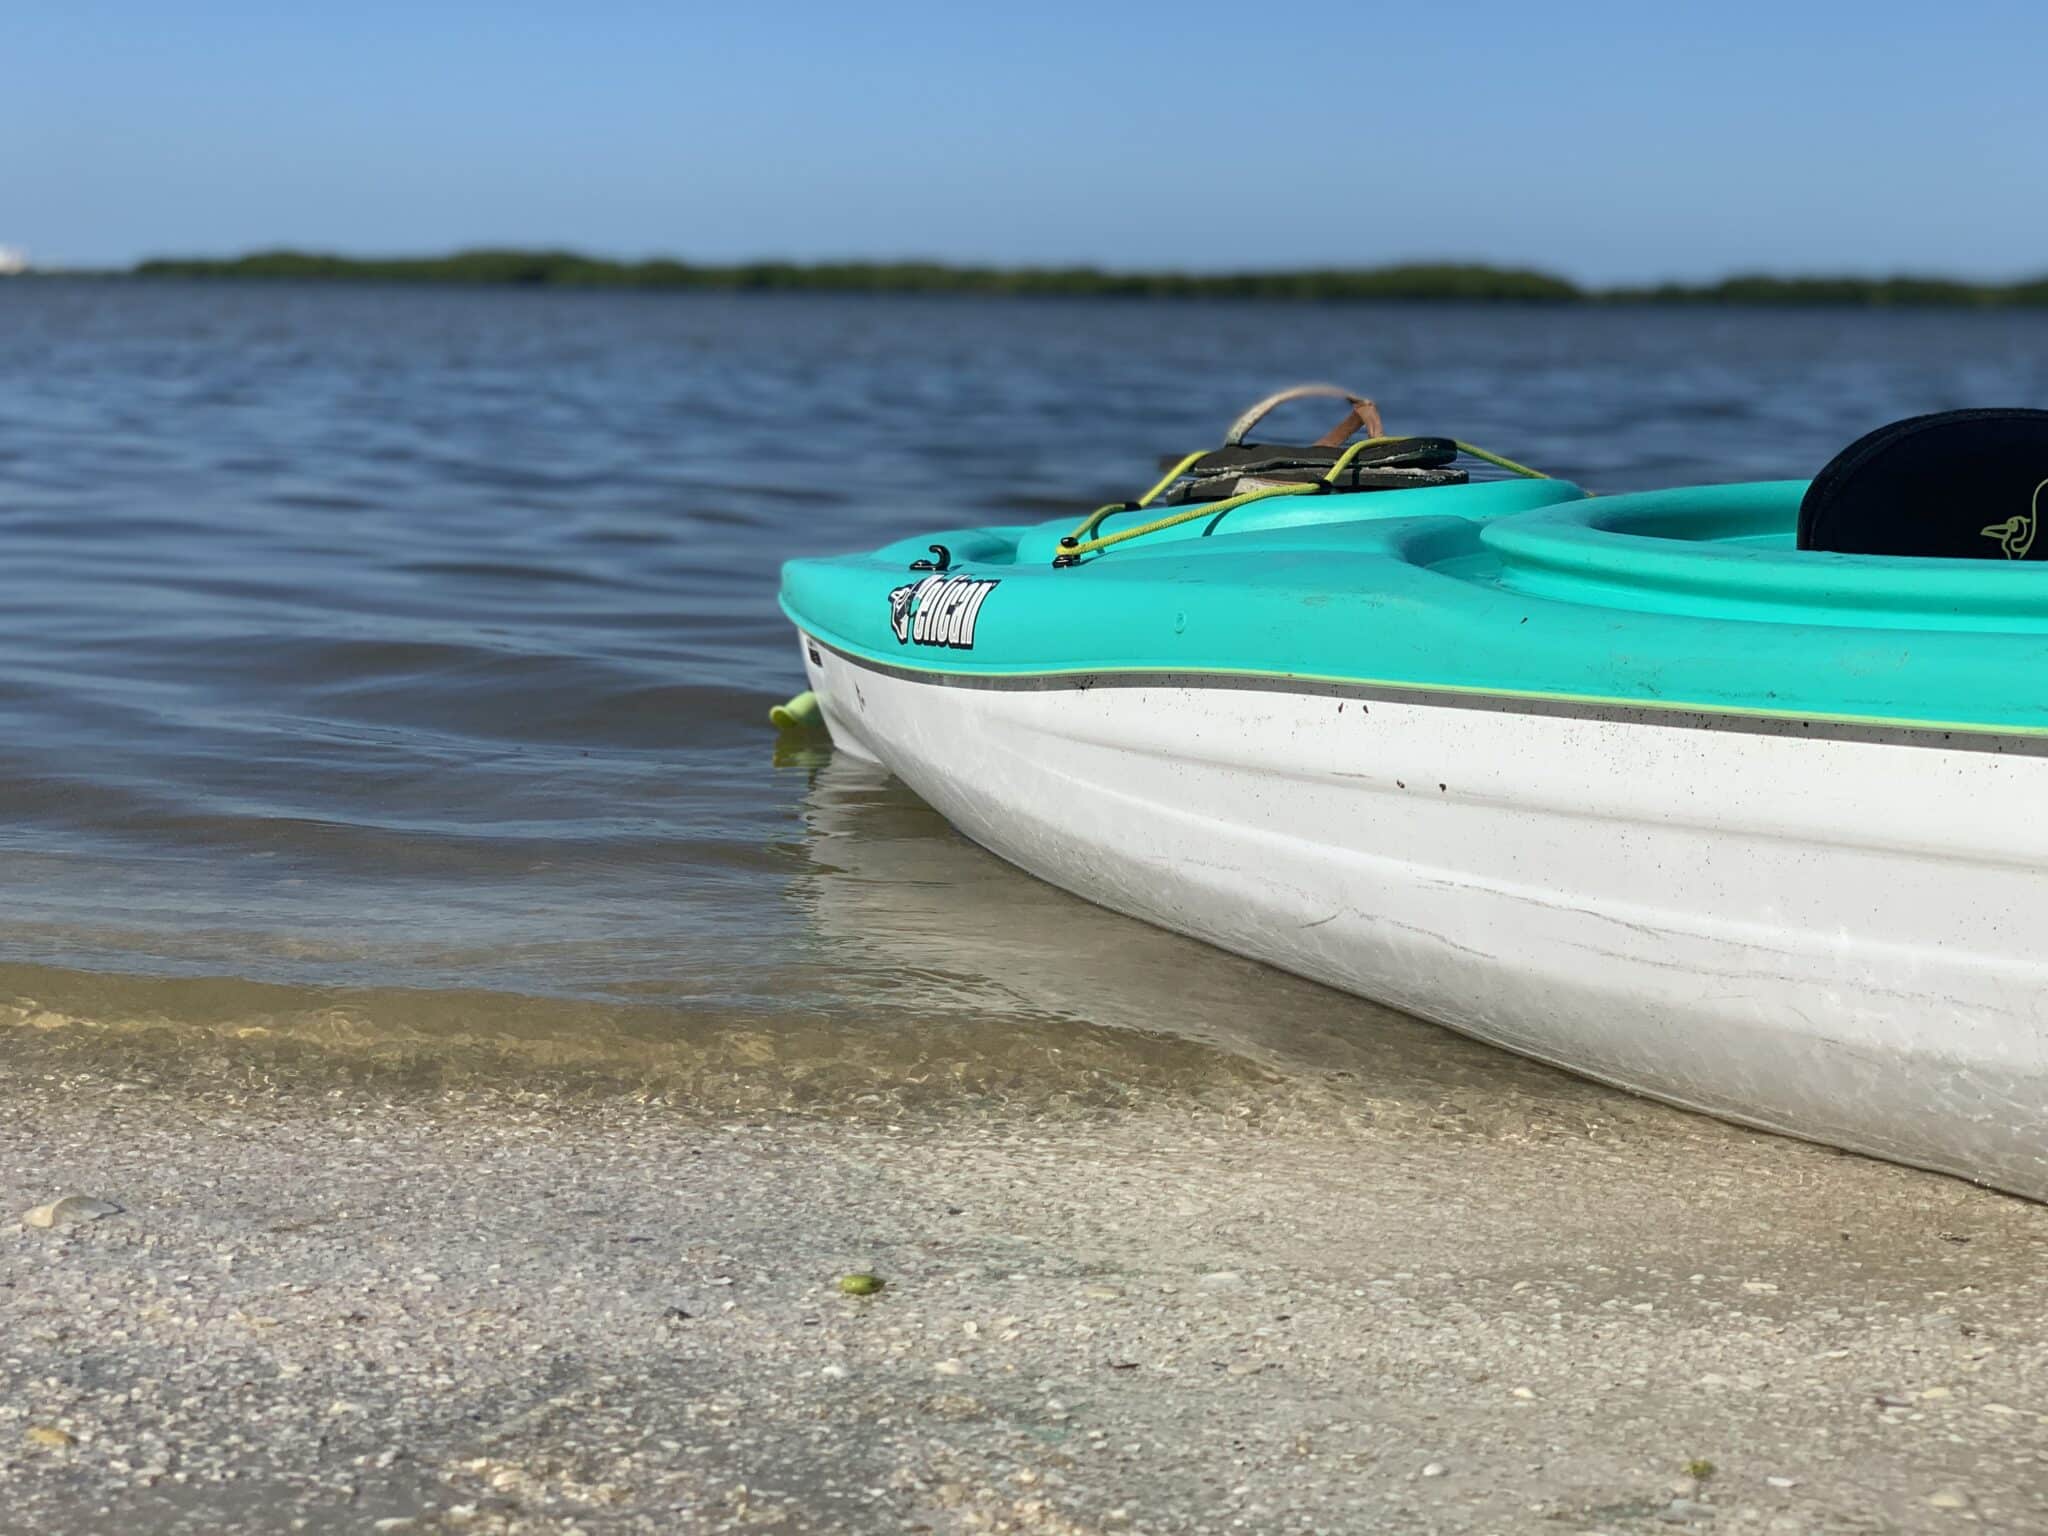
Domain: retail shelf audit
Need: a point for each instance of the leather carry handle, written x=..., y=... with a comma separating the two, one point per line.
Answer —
x=1364, y=415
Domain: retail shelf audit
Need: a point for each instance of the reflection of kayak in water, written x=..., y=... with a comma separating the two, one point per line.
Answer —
x=1725, y=795
x=913, y=916
x=894, y=887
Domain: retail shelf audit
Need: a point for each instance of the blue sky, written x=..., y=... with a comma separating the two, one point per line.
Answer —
x=1606, y=141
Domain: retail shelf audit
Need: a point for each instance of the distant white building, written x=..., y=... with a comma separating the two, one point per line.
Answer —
x=13, y=261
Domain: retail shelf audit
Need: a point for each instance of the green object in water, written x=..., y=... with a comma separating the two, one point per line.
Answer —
x=860, y=1285
x=799, y=714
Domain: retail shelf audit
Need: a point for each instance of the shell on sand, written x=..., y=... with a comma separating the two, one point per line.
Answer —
x=70, y=1210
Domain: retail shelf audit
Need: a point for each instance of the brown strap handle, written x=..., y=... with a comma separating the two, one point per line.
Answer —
x=1364, y=415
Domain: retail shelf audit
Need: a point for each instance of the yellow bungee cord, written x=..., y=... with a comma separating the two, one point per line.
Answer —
x=1084, y=540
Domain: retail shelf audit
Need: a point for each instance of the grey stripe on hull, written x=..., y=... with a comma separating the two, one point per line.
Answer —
x=1820, y=728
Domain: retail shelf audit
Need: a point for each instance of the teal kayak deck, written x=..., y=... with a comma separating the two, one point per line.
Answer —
x=1690, y=599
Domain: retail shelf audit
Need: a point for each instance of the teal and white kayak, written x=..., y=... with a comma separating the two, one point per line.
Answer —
x=1629, y=784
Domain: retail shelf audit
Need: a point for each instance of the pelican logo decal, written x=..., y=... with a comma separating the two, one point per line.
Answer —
x=939, y=610
x=2016, y=534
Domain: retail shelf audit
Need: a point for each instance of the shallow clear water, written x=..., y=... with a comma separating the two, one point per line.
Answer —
x=415, y=639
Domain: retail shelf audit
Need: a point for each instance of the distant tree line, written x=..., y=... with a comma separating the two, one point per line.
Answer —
x=1414, y=281
x=1901, y=292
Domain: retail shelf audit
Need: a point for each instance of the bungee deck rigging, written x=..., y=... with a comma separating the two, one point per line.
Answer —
x=1235, y=459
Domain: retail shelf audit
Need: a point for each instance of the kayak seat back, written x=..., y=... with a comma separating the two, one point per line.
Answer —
x=1957, y=484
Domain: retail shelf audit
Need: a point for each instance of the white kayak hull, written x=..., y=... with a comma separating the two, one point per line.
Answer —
x=1837, y=934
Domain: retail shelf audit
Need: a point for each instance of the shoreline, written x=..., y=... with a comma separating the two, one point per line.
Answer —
x=1423, y=282
x=331, y=1303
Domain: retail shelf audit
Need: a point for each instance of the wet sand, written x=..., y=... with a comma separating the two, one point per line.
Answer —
x=1486, y=1299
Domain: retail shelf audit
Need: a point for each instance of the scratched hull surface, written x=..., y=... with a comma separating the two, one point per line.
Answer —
x=1828, y=937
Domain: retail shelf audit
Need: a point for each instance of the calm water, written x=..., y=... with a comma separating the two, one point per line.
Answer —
x=401, y=639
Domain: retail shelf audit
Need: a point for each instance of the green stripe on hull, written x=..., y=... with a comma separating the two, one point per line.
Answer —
x=1923, y=733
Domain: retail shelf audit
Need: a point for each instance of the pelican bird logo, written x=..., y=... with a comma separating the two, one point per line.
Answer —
x=901, y=603
x=2016, y=534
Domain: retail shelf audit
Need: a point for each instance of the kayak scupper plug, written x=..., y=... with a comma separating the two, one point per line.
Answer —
x=799, y=714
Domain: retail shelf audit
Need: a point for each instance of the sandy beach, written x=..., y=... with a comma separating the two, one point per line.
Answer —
x=345, y=1295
